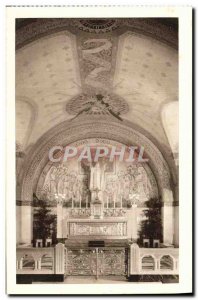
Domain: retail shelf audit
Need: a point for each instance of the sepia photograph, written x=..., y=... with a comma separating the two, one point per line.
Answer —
x=97, y=172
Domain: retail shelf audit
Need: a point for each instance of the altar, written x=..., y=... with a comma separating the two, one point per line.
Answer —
x=97, y=228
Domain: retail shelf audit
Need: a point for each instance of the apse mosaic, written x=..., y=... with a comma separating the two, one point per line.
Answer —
x=117, y=183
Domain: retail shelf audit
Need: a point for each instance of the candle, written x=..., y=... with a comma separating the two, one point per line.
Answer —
x=72, y=203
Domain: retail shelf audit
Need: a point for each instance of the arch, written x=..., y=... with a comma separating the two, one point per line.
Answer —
x=72, y=131
x=166, y=262
x=148, y=262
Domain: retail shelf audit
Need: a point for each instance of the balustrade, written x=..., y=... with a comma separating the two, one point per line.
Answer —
x=59, y=260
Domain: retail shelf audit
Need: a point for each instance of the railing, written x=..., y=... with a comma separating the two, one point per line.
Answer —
x=159, y=261
x=40, y=260
x=141, y=261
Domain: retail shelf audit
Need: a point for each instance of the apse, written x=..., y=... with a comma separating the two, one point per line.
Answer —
x=119, y=183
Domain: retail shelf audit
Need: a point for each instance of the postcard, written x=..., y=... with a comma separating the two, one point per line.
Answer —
x=99, y=144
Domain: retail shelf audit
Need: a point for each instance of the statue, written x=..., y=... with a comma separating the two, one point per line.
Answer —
x=95, y=177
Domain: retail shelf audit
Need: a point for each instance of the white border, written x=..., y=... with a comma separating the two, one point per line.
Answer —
x=185, y=100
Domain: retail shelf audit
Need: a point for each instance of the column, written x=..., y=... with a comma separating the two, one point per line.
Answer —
x=38, y=263
x=176, y=227
x=21, y=264
x=176, y=217
x=26, y=222
x=59, y=259
x=134, y=259
x=168, y=217
x=134, y=233
x=157, y=264
x=59, y=219
x=17, y=264
x=18, y=223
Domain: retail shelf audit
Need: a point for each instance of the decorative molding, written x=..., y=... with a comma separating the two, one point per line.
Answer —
x=146, y=26
x=101, y=228
x=114, y=212
x=97, y=25
x=111, y=105
x=79, y=212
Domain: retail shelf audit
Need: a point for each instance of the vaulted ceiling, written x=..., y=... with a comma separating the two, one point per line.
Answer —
x=66, y=68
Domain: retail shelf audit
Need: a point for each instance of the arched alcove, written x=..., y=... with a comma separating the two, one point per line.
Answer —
x=148, y=263
x=69, y=132
x=166, y=263
x=99, y=128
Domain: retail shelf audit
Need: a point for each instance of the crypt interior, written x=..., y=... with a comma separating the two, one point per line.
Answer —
x=96, y=83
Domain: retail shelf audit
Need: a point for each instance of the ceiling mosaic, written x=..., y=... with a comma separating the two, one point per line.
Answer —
x=98, y=67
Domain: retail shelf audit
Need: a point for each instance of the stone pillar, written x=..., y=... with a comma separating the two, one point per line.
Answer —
x=176, y=227
x=128, y=215
x=157, y=264
x=38, y=263
x=18, y=223
x=26, y=230
x=59, y=219
x=176, y=216
x=134, y=259
x=21, y=264
x=59, y=259
x=168, y=217
x=134, y=229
